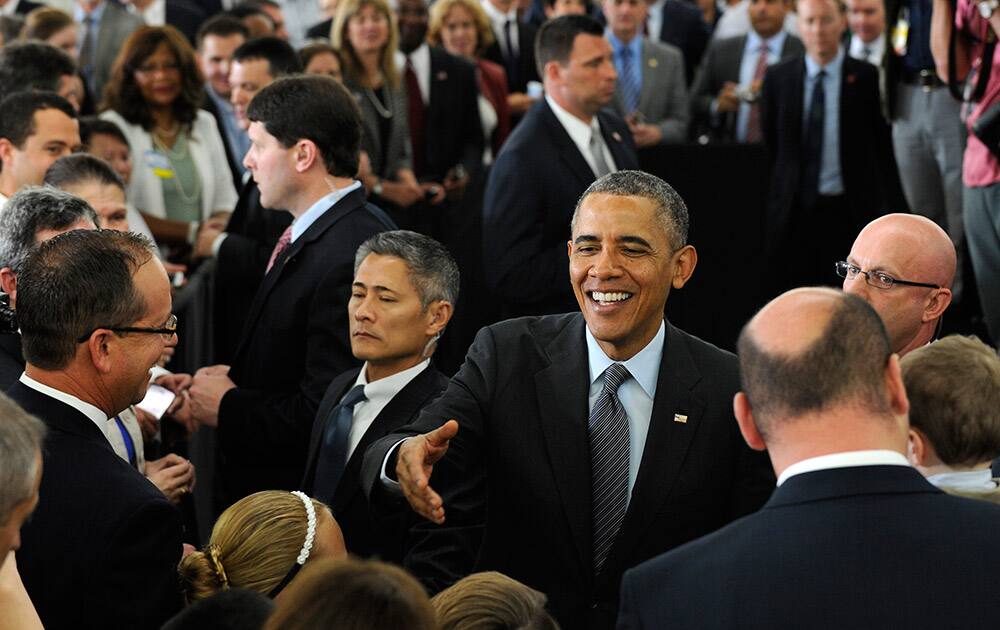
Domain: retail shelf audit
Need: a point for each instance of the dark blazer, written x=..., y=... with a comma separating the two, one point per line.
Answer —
x=232, y=160
x=721, y=65
x=295, y=341
x=368, y=534
x=527, y=69
x=11, y=360
x=26, y=6
x=320, y=30
x=863, y=547
x=522, y=455
x=185, y=17
x=684, y=27
x=530, y=195
x=103, y=544
x=253, y=231
x=871, y=183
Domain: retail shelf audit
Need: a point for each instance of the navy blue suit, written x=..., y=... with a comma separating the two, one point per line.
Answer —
x=862, y=547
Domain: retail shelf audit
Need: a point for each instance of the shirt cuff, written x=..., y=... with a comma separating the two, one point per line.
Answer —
x=390, y=484
x=217, y=244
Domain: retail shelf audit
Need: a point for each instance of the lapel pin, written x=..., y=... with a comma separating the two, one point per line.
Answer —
x=442, y=76
x=617, y=136
x=681, y=418
x=653, y=62
x=850, y=78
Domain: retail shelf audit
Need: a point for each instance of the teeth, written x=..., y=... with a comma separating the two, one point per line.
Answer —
x=610, y=297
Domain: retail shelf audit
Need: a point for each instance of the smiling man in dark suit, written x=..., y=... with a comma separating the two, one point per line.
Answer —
x=581, y=444
x=305, y=134
x=404, y=292
x=563, y=144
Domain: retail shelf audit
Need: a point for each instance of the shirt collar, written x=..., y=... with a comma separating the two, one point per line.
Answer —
x=578, y=130
x=79, y=14
x=315, y=211
x=616, y=44
x=831, y=68
x=847, y=459
x=419, y=58
x=496, y=15
x=97, y=416
x=644, y=366
x=774, y=43
x=981, y=480
x=384, y=389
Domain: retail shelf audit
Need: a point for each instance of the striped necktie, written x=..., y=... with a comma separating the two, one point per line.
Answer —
x=609, y=460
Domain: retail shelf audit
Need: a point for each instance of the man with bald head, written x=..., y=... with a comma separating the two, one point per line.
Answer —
x=903, y=265
x=849, y=533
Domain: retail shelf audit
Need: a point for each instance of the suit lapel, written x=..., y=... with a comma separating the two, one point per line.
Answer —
x=615, y=142
x=848, y=99
x=563, y=388
x=667, y=442
x=735, y=60
x=567, y=149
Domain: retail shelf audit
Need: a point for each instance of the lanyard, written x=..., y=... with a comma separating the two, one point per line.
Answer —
x=129, y=444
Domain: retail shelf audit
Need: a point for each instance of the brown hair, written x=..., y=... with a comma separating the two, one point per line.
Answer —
x=441, y=9
x=954, y=391
x=122, y=92
x=346, y=9
x=491, y=600
x=45, y=22
x=353, y=594
x=253, y=545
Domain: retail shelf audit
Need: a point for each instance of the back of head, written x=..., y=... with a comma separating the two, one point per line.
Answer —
x=43, y=23
x=954, y=390
x=235, y=609
x=80, y=168
x=21, y=438
x=315, y=108
x=281, y=57
x=555, y=39
x=221, y=25
x=32, y=210
x=91, y=126
x=253, y=545
x=73, y=284
x=811, y=350
x=28, y=66
x=433, y=271
x=491, y=601
x=353, y=595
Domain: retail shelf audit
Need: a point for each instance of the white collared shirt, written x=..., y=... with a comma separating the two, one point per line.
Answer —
x=654, y=20
x=98, y=417
x=498, y=21
x=153, y=15
x=580, y=132
x=420, y=59
x=315, y=211
x=847, y=459
x=974, y=480
x=636, y=394
x=377, y=396
x=876, y=49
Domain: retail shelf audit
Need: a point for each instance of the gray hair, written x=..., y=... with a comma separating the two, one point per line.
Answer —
x=31, y=210
x=671, y=211
x=21, y=438
x=432, y=269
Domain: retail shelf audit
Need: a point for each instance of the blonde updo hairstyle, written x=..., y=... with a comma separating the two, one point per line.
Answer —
x=253, y=545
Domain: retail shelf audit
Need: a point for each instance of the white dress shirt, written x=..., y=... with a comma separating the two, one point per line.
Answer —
x=876, y=48
x=153, y=15
x=377, y=396
x=969, y=480
x=498, y=20
x=98, y=417
x=580, y=132
x=10, y=8
x=847, y=459
x=420, y=59
x=748, y=66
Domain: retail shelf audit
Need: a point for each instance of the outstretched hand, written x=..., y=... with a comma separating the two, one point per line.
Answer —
x=414, y=465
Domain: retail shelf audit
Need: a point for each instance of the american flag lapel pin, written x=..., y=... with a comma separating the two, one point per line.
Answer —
x=617, y=136
x=442, y=76
x=681, y=418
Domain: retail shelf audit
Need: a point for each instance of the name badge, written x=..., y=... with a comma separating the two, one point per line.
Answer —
x=159, y=163
x=901, y=32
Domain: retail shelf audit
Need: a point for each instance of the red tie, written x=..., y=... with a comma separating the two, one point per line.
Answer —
x=283, y=242
x=754, y=133
x=416, y=115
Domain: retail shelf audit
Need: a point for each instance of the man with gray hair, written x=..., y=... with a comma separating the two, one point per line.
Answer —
x=403, y=295
x=32, y=216
x=852, y=532
x=596, y=439
x=21, y=438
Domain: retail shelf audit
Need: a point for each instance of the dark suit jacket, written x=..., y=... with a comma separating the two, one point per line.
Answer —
x=863, y=547
x=381, y=534
x=102, y=547
x=185, y=17
x=253, y=231
x=26, y=6
x=721, y=65
x=527, y=70
x=320, y=30
x=871, y=183
x=530, y=195
x=11, y=360
x=232, y=160
x=684, y=27
x=518, y=474
x=295, y=341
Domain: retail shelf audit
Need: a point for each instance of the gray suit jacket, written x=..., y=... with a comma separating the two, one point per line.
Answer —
x=116, y=25
x=664, y=99
x=398, y=152
x=721, y=65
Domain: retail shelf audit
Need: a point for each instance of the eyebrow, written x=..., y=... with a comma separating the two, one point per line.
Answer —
x=590, y=238
x=377, y=287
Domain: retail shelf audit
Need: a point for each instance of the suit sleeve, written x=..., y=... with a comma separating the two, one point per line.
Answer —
x=703, y=91
x=677, y=117
x=627, y=619
x=140, y=565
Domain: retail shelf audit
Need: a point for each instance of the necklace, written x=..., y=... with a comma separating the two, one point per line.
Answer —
x=174, y=155
x=382, y=111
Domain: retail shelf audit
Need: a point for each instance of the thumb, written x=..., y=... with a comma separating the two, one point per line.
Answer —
x=440, y=436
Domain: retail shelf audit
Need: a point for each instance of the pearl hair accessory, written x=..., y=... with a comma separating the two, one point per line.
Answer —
x=310, y=527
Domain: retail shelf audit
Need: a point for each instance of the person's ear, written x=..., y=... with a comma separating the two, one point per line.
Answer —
x=439, y=314
x=6, y=151
x=99, y=344
x=895, y=388
x=685, y=260
x=745, y=420
x=918, y=447
x=937, y=302
x=306, y=154
x=8, y=283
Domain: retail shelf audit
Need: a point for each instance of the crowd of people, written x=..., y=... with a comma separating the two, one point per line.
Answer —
x=353, y=314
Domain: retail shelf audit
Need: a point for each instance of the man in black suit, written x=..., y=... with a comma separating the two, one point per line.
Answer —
x=562, y=145
x=735, y=62
x=680, y=23
x=305, y=134
x=117, y=562
x=852, y=533
x=528, y=489
x=404, y=292
x=830, y=151
x=514, y=49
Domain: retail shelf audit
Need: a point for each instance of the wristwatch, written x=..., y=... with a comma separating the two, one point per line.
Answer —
x=987, y=7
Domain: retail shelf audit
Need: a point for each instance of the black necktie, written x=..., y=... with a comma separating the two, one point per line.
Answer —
x=812, y=143
x=333, y=450
x=511, y=60
x=609, y=459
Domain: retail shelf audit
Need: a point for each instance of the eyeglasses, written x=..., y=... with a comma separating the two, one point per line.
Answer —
x=877, y=279
x=166, y=333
